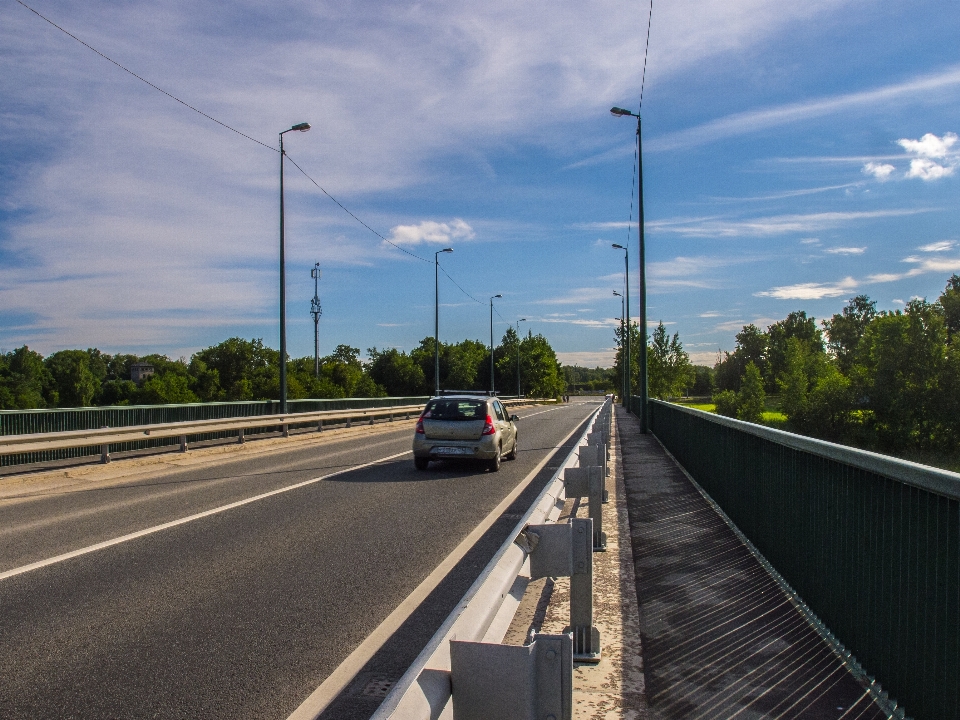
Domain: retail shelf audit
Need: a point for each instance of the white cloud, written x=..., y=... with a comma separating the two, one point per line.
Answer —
x=846, y=250
x=772, y=225
x=941, y=246
x=927, y=169
x=810, y=291
x=927, y=149
x=929, y=146
x=710, y=314
x=810, y=241
x=753, y=120
x=429, y=231
x=593, y=358
x=881, y=171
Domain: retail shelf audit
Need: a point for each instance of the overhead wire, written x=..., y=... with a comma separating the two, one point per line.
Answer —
x=243, y=135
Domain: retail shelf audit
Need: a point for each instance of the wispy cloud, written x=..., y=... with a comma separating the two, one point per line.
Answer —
x=846, y=250
x=941, y=246
x=773, y=225
x=751, y=121
x=810, y=291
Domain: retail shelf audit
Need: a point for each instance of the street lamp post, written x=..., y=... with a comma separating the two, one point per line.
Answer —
x=436, y=319
x=626, y=317
x=493, y=389
x=301, y=127
x=518, y=355
x=623, y=373
x=316, y=311
x=644, y=422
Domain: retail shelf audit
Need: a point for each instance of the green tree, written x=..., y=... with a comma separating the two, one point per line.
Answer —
x=246, y=370
x=751, y=398
x=25, y=381
x=845, y=330
x=73, y=378
x=669, y=372
x=752, y=346
x=905, y=375
x=166, y=388
x=950, y=302
x=396, y=372
x=795, y=325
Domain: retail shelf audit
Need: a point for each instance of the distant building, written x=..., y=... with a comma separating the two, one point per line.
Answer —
x=140, y=372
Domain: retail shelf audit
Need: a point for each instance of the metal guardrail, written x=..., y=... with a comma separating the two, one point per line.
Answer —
x=29, y=422
x=425, y=689
x=870, y=543
x=101, y=441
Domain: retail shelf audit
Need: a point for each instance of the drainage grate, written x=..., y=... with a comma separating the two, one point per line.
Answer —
x=378, y=686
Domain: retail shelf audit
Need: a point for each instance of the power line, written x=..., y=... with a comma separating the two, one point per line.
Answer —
x=144, y=80
x=646, y=50
x=341, y=206
x=244, y=135
x=458, y=285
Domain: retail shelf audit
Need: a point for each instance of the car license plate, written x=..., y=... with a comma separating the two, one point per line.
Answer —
x=451, y=451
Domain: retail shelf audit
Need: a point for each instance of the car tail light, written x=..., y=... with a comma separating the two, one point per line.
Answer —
x=488, y=427
x=420, y=426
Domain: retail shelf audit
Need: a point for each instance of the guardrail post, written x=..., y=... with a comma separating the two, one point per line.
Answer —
x=348, y=422
x=285, y=430
x=105, y=453
x=183, y=443
x=240, y=438
x=587, y=481
x=566, y=550
x=513, y=682
x=371, y=420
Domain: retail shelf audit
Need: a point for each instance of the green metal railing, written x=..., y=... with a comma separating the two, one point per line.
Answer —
x=870, y=543
x=24, y=422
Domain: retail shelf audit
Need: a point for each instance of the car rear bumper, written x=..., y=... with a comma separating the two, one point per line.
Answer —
x=485, y=449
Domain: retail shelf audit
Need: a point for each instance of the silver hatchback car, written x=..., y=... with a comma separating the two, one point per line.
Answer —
x=465, y=427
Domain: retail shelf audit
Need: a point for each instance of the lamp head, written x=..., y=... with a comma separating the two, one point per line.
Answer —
x=522, y=320
x=447, y=250
x=619, y=247
x=301, y=127
x=617, y=294
x=496, y=296
x=619, y=111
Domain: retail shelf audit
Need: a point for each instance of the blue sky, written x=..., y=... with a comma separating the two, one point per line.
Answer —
x=793, y=157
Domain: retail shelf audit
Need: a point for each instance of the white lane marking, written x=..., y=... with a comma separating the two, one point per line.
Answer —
x=190, y=518
x=319, y=699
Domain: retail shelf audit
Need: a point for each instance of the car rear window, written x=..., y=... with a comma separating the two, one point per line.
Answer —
x=454, y=409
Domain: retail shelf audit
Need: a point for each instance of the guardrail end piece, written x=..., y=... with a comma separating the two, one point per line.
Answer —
x=513, y=682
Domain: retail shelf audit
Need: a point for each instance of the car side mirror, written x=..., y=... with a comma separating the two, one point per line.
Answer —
x=514, y=418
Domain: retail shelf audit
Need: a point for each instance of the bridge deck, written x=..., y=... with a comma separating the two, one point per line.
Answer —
x=721, y=638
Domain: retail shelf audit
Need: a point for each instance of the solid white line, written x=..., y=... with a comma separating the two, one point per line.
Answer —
x=173, y=523
x=320, y=698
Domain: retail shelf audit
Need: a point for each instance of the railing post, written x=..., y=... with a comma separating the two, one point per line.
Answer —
x=183, y=443
x=567, y=551
x=240, y=438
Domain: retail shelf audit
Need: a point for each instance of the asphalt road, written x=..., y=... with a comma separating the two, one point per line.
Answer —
x=243, y=612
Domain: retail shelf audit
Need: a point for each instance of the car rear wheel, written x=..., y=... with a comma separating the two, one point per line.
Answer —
x=421, y=463
x=512, y=455
x=494, y=465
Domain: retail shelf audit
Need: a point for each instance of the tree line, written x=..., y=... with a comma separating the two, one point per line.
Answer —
x=239, y=369
x=886, y=380
x=670, y=373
